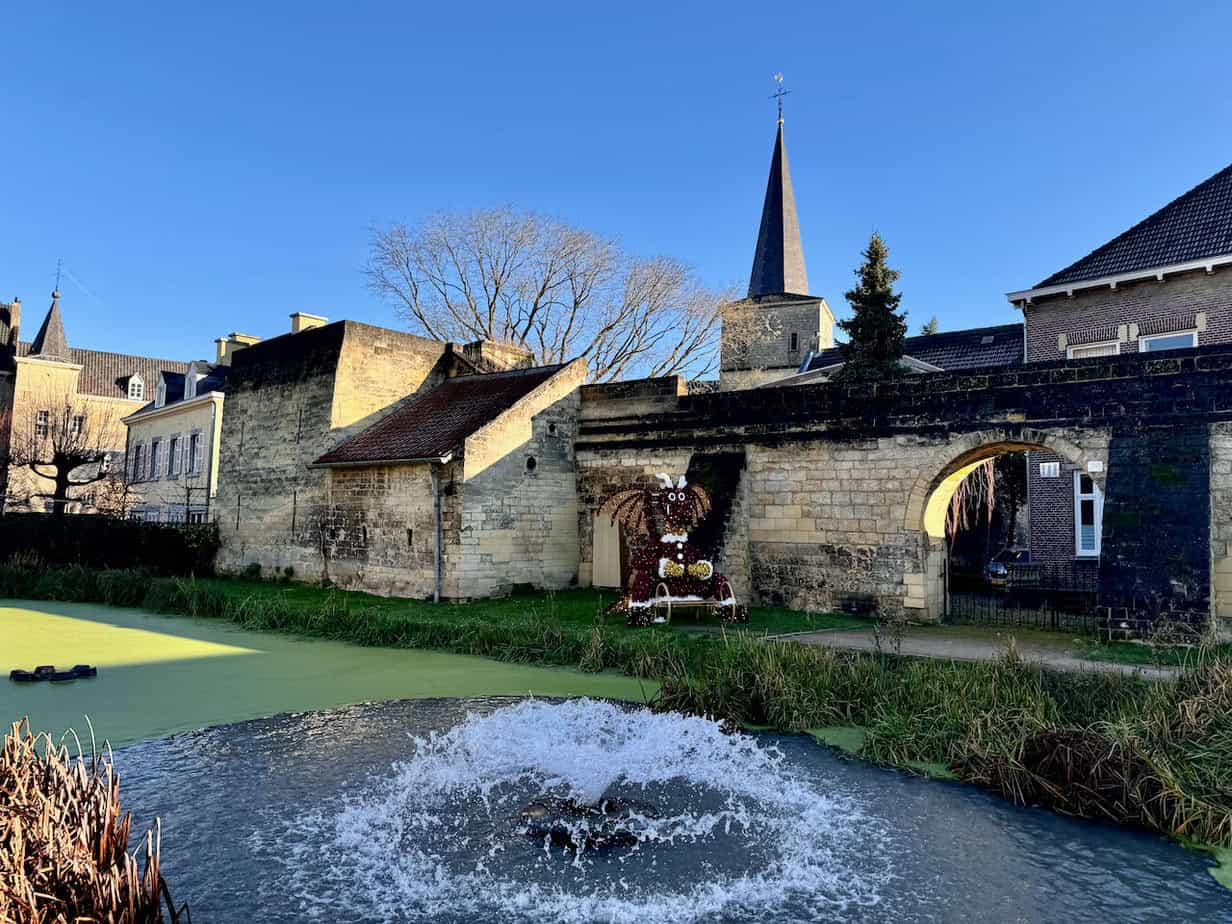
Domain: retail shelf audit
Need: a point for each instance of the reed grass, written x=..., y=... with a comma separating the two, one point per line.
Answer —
x=64, y=843
x=1099, y=745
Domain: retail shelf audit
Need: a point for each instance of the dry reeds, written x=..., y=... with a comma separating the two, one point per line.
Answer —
x=64, y=844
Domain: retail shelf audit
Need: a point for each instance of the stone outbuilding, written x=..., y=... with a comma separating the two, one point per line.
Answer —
x=395, y=464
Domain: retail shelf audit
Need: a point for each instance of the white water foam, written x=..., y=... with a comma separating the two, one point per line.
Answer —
x=435, y=841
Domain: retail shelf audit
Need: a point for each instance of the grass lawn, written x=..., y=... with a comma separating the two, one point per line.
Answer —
x=161, y=674
x=580, y=608
x=1137, y=653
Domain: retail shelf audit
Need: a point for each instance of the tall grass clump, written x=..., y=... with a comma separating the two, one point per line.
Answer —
x=64, y=844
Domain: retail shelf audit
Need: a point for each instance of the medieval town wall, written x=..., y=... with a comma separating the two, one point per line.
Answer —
x=289, y=400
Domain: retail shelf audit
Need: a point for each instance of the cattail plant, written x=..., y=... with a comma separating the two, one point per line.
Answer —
x=64, y=853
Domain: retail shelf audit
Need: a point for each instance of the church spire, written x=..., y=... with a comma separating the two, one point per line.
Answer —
x=50, y=342
x=778, y=264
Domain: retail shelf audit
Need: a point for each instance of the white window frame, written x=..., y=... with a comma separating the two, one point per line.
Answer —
x=1192, y=333
x=139, y=457
x=77, y=425
x=136, y=388
x=1050, y=469
x=155, y=459
x=42, y=425
x=175, y=452
x=1115, y=344
x=1097, y=496
x=195, y=449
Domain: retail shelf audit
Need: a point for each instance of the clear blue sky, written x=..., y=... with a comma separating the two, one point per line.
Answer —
x=212, y=169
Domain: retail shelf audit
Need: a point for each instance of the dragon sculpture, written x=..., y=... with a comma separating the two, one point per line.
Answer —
x=666, y=567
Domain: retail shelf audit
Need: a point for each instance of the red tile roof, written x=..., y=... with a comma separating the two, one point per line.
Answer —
x=435, y=424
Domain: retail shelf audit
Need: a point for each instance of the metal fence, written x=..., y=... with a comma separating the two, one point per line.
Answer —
x=1060, y=596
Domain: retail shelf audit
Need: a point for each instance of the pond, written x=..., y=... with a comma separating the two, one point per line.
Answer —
x=418, y=811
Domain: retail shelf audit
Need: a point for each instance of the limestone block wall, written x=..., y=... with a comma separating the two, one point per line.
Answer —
x=789, y=329
x=519, y=509
x=377, y=531
x=289, y=400
x=1221, y=527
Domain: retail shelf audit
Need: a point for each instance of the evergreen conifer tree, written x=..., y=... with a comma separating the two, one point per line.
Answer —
x=933, y=325
x=876, y=329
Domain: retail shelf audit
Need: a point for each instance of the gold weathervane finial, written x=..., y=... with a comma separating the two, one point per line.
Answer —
x=779, y=94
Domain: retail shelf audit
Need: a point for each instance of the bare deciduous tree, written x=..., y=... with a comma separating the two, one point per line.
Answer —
x=559, y=291
x=61, y=439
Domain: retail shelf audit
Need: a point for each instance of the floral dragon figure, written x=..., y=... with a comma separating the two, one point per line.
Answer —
x=665, y=567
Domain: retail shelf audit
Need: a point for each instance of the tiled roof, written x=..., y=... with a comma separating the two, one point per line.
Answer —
x=107, y=374
x=952, y=350
x=213, y=380
x=437, y=423
x=1197, y=224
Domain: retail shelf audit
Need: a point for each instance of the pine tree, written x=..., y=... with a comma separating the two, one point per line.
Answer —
x=927, y=330
x=876, y=329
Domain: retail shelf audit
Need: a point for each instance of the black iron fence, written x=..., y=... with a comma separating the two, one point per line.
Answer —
x=1059, y=596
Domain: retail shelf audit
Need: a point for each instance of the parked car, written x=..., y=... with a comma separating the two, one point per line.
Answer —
x=997, y=571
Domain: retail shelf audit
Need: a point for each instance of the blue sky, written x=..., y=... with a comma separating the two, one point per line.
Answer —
x=208, y=169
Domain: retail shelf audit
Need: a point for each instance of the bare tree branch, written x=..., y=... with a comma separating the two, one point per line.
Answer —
x=62, y=439
x=556, y=290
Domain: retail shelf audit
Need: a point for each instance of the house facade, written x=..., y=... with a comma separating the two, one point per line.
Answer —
x=172, y=446
x=50, y=390
x=1164, y=285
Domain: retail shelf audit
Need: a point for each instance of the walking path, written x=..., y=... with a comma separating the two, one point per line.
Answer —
x=954, y=644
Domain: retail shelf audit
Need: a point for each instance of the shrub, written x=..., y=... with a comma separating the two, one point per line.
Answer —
x=31, y=540
x=64, y=844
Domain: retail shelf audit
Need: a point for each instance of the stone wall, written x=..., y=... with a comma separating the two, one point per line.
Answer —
x=519, y=519
x=1092, y=315
x=289, y=400
x=1156, y=554
x=788, y=330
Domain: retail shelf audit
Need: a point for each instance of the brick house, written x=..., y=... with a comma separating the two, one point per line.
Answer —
x=1163, y=285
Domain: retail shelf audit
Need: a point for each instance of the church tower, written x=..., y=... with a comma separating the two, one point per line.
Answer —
x=768, y=335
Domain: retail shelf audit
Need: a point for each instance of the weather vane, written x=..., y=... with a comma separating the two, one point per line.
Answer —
x=779, y=94
x=58, y=262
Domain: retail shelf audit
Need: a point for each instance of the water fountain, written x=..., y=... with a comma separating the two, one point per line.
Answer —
x=499, y=811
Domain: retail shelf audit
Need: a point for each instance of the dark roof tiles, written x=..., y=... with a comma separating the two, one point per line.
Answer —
x=1195, y=225
x=778, y=263
x=107, y=374
x=437, y=423
x=952, y=350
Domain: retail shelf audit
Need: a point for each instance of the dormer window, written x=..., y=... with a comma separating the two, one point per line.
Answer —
x=136, y=388
x=190, y=381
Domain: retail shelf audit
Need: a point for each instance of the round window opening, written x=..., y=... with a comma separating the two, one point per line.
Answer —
x=530, y=463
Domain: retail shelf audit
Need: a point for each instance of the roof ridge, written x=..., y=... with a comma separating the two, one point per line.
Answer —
x=1155, y=217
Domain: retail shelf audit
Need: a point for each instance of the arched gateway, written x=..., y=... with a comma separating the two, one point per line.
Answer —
x=840, y=502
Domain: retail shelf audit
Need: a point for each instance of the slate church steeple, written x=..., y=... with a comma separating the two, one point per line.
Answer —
x=778, y=262
x=772, y=333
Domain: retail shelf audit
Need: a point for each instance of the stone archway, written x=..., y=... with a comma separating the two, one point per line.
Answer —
x=931, y=494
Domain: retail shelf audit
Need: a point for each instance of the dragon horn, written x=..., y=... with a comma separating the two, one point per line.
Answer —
x=682, y=482
x=667, y=479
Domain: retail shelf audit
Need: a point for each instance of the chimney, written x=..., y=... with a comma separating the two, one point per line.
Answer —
x=14, y=312
x=233, y=343
x=301, y=321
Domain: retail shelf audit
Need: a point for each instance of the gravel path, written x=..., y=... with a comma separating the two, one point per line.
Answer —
x=926, y=643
